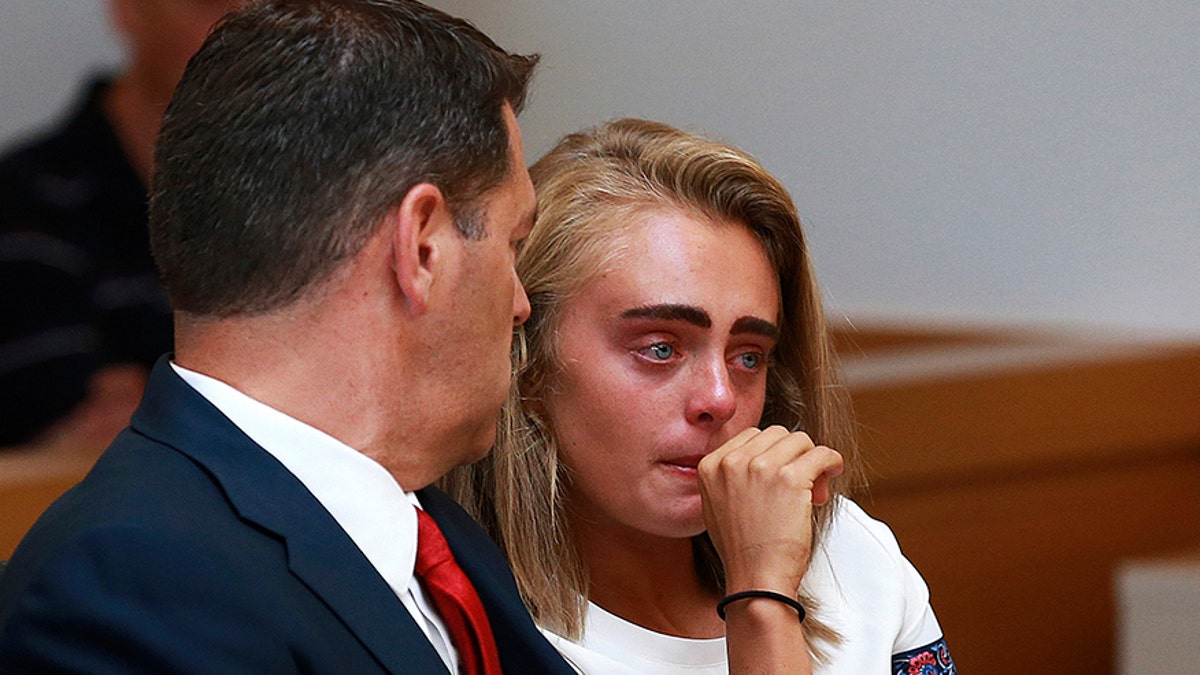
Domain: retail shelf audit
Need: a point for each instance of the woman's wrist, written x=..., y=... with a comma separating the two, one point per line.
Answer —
x=748, y=596
x=778, y=578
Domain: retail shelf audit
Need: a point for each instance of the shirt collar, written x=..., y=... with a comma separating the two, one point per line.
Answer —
x=357, y=491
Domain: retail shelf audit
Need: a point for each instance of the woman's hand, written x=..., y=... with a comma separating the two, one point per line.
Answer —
x=758, y=490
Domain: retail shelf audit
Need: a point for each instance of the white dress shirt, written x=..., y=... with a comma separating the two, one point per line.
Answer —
x=357, y=491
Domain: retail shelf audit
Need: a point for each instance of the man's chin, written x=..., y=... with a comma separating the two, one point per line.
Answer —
x=481, y=446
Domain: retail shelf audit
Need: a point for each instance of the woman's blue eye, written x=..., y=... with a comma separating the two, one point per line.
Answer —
x=750, y=360
x=662, y=351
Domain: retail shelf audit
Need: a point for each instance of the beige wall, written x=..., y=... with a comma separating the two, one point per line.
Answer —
x=997, y=162
x=1021, y=160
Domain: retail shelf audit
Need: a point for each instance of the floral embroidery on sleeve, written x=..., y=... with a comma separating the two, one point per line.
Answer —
x=932, y=659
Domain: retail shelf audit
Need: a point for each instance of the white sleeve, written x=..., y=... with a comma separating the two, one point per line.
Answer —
x=871, y=594
x=918, y=626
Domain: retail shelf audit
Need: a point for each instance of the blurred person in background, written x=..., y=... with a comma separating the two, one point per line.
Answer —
x=84, y=314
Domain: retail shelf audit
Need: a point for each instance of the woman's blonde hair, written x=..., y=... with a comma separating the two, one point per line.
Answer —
x=588, y=188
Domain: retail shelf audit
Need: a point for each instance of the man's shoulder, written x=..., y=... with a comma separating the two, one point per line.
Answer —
x=145, y=562
x=138, y=491
x=143, y=513
x=137, y=484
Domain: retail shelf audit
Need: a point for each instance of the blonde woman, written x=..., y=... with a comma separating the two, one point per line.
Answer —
x=668, y=445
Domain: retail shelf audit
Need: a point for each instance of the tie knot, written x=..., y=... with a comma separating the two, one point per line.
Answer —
x=432, y=549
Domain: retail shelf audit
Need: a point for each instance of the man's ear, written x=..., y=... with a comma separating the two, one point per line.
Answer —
x=418, y=228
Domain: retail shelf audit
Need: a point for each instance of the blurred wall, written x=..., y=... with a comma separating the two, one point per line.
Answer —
x=46, y=48
x=999, y=162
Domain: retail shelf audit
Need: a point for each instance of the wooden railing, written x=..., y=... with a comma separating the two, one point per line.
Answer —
x=1018, y=470
x=31, y=478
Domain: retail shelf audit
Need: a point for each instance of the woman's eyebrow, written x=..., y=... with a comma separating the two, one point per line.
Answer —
x=698, y=317
x=668, y=312
x=753, y=324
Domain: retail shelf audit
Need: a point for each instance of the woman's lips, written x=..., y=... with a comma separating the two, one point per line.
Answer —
x=686, y=462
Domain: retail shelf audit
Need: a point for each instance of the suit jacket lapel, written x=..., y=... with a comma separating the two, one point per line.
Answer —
x=262, y=491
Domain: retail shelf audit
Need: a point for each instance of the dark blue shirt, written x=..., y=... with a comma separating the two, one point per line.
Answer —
x=78, y=287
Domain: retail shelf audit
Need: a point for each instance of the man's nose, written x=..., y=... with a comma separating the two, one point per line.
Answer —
x=521, y=307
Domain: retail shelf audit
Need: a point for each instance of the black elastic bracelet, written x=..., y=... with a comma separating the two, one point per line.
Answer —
x=771, y=595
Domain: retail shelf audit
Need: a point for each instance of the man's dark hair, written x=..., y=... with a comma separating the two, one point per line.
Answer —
x=301, y=123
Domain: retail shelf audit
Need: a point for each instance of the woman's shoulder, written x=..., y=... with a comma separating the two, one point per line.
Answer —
x=869, y=590
x=858, y=560
x=853, y=536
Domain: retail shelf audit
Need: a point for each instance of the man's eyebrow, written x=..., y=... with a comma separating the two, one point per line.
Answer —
x=753, y=324
x=668, y=312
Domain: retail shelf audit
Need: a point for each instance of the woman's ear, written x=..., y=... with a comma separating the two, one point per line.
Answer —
x=418, y=227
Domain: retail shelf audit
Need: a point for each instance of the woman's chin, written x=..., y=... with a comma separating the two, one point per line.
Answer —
x=684, y=522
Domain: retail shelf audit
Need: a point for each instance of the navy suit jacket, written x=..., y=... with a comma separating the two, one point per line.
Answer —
x=188, y=548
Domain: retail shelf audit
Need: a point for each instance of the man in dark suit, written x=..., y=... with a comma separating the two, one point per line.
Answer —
x=339, y=192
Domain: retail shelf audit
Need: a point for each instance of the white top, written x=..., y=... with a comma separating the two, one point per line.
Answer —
x=867, y=590
x=364, y=499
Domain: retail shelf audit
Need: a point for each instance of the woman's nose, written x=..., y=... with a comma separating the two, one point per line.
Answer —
x=713, y=400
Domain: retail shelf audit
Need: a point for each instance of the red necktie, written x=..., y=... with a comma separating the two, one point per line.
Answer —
x=456, y=600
